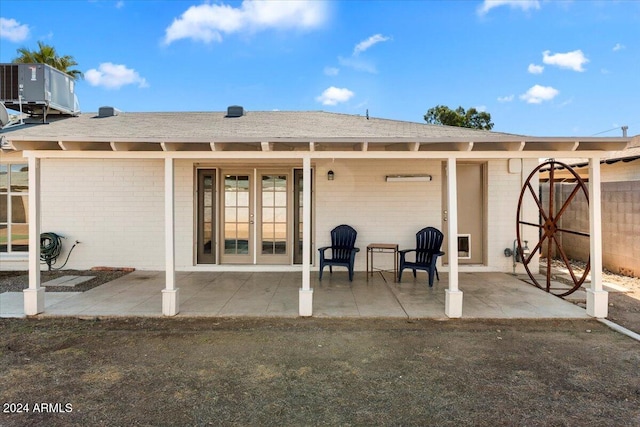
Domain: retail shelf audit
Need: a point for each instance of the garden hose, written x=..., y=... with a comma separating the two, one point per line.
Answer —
x=50, y=248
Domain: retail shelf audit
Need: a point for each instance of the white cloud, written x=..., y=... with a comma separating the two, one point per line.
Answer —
x=538, y=94
x=535, y=69
x=507, y=98
x=366, y=44
x=618, y=47
x=565, y=103
x=331, y=71
x=357, y=64
x=525, y=5
x=334, y=95
x=114, y=76
x=119, y=4
x=208, y=22
x=12, y=30
x=573, y=60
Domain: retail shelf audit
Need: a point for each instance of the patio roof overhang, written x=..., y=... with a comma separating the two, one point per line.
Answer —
x=343, y=147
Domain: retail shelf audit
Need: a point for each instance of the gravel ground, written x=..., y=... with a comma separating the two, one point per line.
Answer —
x=624, y=307
x=607, y=276
x=16, y=281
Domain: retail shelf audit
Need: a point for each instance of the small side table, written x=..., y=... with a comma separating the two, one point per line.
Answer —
x=383, y=248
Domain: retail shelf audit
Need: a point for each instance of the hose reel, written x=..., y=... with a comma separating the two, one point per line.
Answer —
x=51, y=247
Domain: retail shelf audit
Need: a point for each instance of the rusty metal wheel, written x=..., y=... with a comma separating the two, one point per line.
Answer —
x=550, y=231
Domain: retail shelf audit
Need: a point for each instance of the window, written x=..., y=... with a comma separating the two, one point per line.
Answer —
x=14, y=207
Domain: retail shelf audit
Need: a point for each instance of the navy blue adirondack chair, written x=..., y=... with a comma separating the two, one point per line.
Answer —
x=343, y=250
x=428, y=243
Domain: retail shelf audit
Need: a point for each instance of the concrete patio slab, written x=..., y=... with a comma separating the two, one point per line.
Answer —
x=275, y=294
x=12, y=303
x=68, y=281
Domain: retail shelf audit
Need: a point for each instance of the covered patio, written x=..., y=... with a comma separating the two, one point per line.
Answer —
x=275, y=294
x=137, y=184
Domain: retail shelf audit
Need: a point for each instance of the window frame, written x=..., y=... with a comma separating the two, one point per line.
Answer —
x=10, y=194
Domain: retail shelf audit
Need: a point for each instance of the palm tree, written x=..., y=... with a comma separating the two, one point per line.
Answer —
x=47, y=54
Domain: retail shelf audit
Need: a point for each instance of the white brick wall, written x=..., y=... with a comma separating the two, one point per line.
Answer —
x=115, y=208
x=384, y=212
x=381, y=212
x=185, y=183
x=503, y=193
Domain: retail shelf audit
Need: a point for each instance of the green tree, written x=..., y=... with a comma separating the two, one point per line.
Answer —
x=47, y=54
x=472, y=118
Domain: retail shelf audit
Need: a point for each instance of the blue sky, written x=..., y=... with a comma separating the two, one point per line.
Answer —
x=539, y=67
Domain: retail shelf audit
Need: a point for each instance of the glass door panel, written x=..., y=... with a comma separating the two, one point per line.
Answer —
x=297, y=217
x=237, y=220
x=206, y=250
x=274, y=204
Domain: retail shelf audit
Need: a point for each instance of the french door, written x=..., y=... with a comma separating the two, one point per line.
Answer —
x=238, y=218
x=256, y=225
x=253, y=214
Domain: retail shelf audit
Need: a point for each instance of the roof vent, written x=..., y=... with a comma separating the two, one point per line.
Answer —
x=108, y=112
x=235, y=111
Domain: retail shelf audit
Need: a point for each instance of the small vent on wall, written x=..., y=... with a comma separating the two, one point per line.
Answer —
x=235, y=111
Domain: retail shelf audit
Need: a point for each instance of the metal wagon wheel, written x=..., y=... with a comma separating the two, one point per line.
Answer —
x=549, y=229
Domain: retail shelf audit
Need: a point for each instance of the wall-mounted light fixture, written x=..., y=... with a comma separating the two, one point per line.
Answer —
x=408, y=178
x=330, y=175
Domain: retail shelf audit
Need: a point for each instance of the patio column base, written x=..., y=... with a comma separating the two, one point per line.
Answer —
x=33, y=301
x=453, y=304
x=305, y=304
x=597, y=303
x=170, y=302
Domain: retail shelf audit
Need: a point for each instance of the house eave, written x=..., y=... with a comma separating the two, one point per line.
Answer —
x=540, y=146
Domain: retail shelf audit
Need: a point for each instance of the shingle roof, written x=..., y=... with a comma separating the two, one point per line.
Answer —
x=207, y=126
x=274, y=131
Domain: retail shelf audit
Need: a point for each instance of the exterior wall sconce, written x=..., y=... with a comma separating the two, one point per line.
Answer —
x=330, y=175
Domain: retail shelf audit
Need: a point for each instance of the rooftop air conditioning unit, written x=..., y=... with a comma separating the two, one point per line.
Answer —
x=37, y=90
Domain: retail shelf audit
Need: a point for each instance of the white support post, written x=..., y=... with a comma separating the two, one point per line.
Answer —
x=453, y=295
x=170, y=295
x=34, y=294
x=597, y=298
x=305, y=304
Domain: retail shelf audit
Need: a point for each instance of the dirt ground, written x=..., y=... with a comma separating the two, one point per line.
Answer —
x=263, y=372
x=268, y=372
